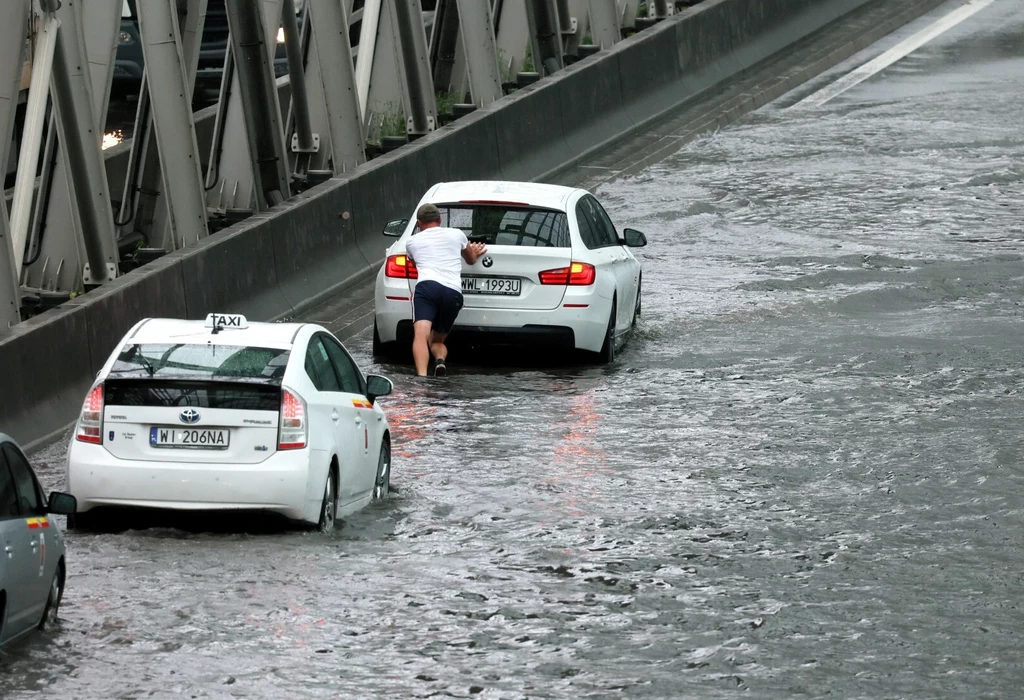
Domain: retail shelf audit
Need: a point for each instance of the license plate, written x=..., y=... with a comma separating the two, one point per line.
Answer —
x=508, y=286
x=196, y=438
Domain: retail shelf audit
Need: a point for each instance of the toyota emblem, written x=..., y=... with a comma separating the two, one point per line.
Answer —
x=488, y=261
x=189, y=415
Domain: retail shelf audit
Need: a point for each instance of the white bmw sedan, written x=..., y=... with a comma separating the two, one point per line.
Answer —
x=556, y=271
x=227, y=415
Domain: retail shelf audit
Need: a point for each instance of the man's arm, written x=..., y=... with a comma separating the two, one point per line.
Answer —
x=472, y=252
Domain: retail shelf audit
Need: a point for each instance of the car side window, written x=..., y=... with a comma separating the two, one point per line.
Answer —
x=352, y=379
x=24, y=481
x=319, y=368
x=587, y=228
x=606, y=229
x=8, y=494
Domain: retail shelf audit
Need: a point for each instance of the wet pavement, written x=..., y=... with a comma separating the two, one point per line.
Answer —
x=802, y=477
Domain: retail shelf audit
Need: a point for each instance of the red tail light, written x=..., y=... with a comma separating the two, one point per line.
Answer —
x=90, y=423
x=577, y=274
x=400, y=266
x=294, y=429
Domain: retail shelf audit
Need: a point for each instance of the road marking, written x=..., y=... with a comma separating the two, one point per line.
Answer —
x=894, y=54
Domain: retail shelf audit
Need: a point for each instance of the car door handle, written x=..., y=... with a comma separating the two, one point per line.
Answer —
x=358, y=420
x=335, y=417
x=10, y=550
x=34, y=543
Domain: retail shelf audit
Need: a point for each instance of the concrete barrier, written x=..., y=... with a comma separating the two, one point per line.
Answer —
x=275, y=263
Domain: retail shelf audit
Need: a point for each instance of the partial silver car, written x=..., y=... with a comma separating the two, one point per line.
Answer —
x=32, y=569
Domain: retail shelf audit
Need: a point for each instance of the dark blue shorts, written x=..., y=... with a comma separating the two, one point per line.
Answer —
x=432, y=301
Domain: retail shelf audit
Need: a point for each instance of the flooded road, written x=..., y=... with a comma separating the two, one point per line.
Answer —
x=802, y=477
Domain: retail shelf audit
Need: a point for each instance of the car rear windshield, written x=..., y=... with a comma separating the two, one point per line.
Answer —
x=201, y=361
x=498, y=224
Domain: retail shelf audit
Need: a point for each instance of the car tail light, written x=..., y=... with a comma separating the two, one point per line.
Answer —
x=400, y=266
x=577, y=274
x=90, y=423
x=294, y=429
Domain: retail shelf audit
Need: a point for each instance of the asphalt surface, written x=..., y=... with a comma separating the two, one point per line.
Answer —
x=801, y=478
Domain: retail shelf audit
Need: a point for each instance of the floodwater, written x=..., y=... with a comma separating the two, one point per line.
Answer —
x=801, y=478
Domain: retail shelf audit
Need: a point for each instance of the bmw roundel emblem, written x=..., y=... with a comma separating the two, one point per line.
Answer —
x=189, y=415
x=488, y=261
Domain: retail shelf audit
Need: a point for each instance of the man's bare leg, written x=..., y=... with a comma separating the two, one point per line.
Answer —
x=422, y=334
x=437, y=347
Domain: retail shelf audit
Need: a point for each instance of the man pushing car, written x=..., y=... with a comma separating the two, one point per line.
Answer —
x=437, y=252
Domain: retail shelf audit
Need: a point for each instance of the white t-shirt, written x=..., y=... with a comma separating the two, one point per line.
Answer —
x=437, y=253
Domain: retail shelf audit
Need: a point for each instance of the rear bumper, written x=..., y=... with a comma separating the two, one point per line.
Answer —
x=513, y=336
x=279, y=483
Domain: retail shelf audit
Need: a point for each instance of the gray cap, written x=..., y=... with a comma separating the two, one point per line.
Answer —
x=427, y=213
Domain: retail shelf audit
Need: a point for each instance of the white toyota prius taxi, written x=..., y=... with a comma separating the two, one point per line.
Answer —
x=556, y=271
x=231, y=415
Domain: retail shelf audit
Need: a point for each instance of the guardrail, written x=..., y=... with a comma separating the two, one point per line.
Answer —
x=278, y=263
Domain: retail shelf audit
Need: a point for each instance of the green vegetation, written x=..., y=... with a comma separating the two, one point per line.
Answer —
x=527, y=66
x=446, y=102
x=386, y=120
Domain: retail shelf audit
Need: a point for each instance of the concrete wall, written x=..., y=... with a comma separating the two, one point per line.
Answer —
x=276, y=264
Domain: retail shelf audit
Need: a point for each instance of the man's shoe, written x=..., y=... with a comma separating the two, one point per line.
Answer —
x=440, y=369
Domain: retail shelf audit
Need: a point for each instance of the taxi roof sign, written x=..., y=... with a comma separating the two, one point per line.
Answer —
x=226, y=321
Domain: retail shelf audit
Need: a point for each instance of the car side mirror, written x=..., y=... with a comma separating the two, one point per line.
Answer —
x=634, y=238
x=396, y=228
x=376, y=386
x=62, y=503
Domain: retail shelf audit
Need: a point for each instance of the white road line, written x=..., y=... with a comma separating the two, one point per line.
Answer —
x=894, y=54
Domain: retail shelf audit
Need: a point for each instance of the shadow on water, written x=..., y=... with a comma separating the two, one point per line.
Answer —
x=110, y=520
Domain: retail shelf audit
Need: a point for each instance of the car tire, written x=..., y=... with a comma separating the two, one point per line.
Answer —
x=607, y=354
x=81, y=521
x=382, y=483
x=636, y=308
x=385, y=351
x=378, y=347
x=54, y=598
x=329, y=505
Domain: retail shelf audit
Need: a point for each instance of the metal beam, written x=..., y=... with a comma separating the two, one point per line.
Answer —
x=332, y=49
x=444, y=43
x=58, y=254
x=512, y=32
x=366, y=60
x=545, y=35
x=303, y=140
x=80, y=144
x=32, y=135
x=629, y=10
x=12, y=55
x=604, y=23
x=418, y=87
x=476, y=26
x=255, y=121
x=171, y=99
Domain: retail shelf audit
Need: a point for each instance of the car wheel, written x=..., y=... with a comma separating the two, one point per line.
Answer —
x=636, y=308
x=607, y=354
x=378, y=347
x=382, y=486
x=81, y=521
x=54, y=599
x=329, y=507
